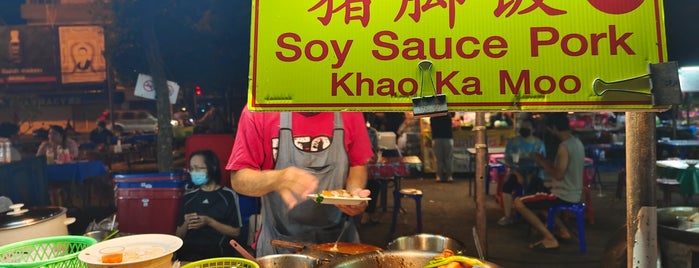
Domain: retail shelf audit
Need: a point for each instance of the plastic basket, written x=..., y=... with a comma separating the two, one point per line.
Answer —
x=49, y=252
x=227, y=262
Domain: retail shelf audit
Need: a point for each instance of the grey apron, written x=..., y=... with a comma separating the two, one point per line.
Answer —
x=307, y=222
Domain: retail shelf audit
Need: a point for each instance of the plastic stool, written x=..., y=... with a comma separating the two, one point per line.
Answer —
x=579, y=211
x=416, y=195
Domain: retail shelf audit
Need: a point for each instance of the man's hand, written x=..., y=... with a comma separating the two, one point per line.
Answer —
x=295, y=184
x=354, y=210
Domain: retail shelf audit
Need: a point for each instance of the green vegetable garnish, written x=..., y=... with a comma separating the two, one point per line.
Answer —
x=319, y=199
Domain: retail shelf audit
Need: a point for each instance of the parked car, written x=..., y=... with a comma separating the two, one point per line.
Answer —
x=134, y=121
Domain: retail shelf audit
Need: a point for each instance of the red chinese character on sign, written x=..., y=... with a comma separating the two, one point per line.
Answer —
x=513, y=6
x=418, y=8
x=360, y=9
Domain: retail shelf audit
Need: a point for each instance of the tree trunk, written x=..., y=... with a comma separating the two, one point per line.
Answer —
x=155, y=62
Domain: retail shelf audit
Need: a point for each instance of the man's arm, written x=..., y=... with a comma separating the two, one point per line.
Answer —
x=291, y=183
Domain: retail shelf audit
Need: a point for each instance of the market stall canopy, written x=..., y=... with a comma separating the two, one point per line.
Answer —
x=486, y=56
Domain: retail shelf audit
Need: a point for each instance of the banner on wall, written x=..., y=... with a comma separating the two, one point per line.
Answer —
x=82, y=54
x=486, y=55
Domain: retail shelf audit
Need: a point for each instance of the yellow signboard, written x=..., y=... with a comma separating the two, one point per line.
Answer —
x=363, y=55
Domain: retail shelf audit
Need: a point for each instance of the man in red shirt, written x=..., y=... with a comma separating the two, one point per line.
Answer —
x=283, y=157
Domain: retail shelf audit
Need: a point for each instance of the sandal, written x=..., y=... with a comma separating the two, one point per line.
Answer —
x=539, y=245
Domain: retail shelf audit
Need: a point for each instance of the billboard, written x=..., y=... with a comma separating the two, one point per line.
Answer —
x=484, y=55
x=27, y=55
x=82, y=54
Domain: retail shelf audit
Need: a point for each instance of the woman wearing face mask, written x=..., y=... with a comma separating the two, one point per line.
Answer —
x=521, y=145
x=210, y=215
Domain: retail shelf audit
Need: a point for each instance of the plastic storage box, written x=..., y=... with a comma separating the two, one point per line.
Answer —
x=149, y=202
x=147, y=211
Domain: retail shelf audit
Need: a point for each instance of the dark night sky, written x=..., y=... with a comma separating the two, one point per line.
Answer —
x=681, y=20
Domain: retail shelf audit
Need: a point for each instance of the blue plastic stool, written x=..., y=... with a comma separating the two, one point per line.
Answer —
x=579, y=211
x=411, y=193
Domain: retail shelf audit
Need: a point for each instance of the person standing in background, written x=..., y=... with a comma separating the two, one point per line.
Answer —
x=443, y=146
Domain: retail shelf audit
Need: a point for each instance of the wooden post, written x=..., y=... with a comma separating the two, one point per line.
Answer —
x=640, y=184
x=481, y=169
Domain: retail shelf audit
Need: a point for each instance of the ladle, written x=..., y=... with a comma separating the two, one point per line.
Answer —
x=243, y=252
x=344, y=227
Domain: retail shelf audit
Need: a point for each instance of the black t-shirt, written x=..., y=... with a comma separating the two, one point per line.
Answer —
x=206, y=242
x=441, y=127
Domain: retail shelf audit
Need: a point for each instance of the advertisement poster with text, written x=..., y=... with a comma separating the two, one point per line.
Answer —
x=529, y=55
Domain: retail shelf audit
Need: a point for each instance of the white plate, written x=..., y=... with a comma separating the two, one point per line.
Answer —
x=137, y=248
x=340, y=200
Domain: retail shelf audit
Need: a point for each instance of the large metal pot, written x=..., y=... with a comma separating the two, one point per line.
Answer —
x=323, y=252
x=288, y=261
x=21, y=224
x=677, y=237
x=390, y=259
x=426, y=242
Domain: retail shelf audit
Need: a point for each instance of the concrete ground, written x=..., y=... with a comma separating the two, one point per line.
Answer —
x=449, y=210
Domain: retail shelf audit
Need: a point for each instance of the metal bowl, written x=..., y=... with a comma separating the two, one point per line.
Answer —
x=288, y=260
x=426, y=242
x=390, y=259
x=98, y=235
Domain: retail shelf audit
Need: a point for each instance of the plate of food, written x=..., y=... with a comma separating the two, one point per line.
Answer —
x=337, y=197
x=144, y=248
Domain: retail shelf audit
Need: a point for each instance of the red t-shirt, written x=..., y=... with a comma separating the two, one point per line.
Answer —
x=257, y=139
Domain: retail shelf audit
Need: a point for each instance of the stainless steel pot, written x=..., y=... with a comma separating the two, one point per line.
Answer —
x=426, y=242
x=323, y=251
x=288, y=261
x=390, y=259
x=21, y=224
x=671, y=225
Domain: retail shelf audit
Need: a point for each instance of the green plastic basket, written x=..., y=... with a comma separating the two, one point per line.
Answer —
x=226, y=262
x=48, y=252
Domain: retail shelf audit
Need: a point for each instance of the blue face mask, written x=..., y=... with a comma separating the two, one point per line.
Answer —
x=199, y=178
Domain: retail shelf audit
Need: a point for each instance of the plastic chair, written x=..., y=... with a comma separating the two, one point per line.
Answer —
x=416, y=195
x=579, y=211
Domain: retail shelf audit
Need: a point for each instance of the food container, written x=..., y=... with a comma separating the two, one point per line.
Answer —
x=426, y=242
x=288, y=261
x=21, y=224
x=391, y=259
x=138, y=251
x=54, y=251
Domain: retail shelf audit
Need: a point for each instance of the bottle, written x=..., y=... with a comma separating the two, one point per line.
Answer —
x=58, y=156
x=117, y=148
x=8, y=151
x=65, y=157
x=2, y=150
x=50, y=157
